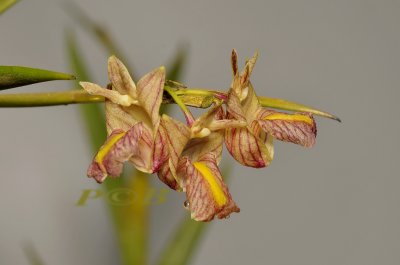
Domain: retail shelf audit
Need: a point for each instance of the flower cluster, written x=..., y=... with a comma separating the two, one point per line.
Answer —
x=186, y=156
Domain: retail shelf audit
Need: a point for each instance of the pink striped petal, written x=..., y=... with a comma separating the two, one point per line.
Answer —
x=150, y=90
x=206, y=193
x=247, y=145
x=176, y=135
x=119, y=147
x=248, y=149
x=298, y=128
x=143, y=158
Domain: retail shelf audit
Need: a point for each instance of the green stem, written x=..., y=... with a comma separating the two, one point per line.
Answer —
x=178, y=101
x=190, y=97
x=48, y=99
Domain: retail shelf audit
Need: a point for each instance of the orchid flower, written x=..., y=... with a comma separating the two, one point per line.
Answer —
x=195, y=152
x=132, y=120
x=252, y=145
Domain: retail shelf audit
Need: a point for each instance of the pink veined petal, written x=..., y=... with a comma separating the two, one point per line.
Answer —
x=244, y=144
x=120, y=78
x=119, y=147
x=204, y=190
x=298, y=128
x=246, y=148
x=143, y=158
x=167, y=174
x=160, y=152
x=234, y=106
x=150, y=90
x=176, y=136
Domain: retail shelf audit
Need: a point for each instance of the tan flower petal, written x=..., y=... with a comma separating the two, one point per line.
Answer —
x=118, y=118
x=211, y=144
x=200, y=127
x=150, y=90
x=119, y=147
x=250, y=105
x=298, y=128
x=207, y=134
x=234, y=107
x=176, y=135
x=114, y=96
x=120, y=78
x=207, y=194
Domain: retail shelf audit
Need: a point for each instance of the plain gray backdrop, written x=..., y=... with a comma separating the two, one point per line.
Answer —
x=337, y=203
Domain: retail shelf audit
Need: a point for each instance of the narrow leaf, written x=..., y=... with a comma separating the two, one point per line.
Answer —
x=184, y=243
x=15, y=76
x=101, y=34
x=187, y=237
x=130, y=220
x=176, y=67
x=32, y=255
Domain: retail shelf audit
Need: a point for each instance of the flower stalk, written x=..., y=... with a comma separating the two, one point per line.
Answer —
x=199, y=98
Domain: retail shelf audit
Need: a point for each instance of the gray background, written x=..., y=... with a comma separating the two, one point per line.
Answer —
x=337, y=203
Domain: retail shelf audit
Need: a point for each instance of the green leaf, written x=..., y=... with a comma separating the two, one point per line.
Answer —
x=184, y=242
x=15, y=76
x=32, y=255
x=186, y=238
x=176, y=67
x=97, y=30
x=6, y=4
